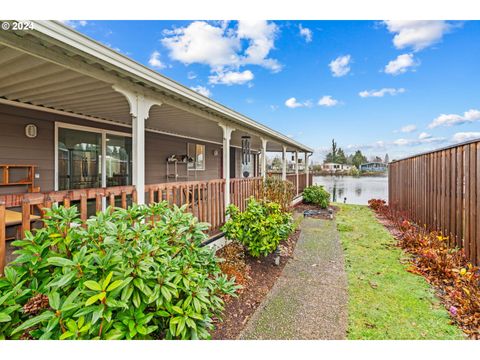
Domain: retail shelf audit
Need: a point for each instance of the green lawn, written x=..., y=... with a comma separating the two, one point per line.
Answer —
x=386, y=301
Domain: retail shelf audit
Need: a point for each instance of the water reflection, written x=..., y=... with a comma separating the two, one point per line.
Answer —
x=354, y=190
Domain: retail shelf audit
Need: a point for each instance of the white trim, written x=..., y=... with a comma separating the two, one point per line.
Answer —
x=108, y=122
x=103, y=132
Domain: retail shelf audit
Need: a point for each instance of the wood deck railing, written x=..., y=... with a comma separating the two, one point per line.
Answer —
x=204, y=199
x=115, y=196
x=441, y=190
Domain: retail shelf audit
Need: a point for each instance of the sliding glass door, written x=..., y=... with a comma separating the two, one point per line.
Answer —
x=79, y=159
x=81, y=162
x=119, y=160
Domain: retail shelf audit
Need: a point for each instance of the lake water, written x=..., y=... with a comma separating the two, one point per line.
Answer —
x=357, y=190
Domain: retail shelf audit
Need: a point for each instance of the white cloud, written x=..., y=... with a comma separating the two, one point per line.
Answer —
x=424, y=135
x=327, y=101
x=420, y=141
x=465, y=136
x=417, y=34
x=202, y=90
x=469, y=116
x=191, y=75
x=231, y=77
x=293, y=103
x=274, y=107
x=381, y=92
x=305, y=33
x=401, y=64
x=155, y=61
x=225, y=49
x=340, y=66
x=408, y=128
x=74, y=23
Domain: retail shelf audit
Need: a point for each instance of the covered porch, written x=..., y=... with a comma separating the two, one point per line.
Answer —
x=99, y=129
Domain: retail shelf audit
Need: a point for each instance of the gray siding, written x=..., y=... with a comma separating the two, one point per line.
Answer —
x=16, y=148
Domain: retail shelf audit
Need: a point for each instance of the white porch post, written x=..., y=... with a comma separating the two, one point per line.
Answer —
x=139, y=110
x=227, y=134
x=264, y=159
x=284, y=163
x=138, y=155
x=307, y=170
x=296, y=169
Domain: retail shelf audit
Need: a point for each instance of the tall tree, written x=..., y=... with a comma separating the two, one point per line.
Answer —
x=334, y=150
x=358, y=159
x=341, y=158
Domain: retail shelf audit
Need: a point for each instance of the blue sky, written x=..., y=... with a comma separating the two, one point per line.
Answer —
x=397, y=87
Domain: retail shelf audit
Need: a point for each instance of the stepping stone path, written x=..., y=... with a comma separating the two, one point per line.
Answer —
x=309, y=300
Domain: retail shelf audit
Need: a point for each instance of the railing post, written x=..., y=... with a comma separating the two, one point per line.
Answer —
x=25, y=217
x=227, y=134
x=296, y=171
x=307, y=169
x=284, y=163
x=3, y=246
x=264, y=158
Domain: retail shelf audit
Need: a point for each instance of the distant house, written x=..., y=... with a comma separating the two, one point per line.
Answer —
x=374, y=167
x=335, y=167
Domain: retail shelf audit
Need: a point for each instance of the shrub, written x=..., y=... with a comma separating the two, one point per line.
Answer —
x=376, y=204
x=128, y=274
x=260, y=228
x=317, y=195
x=278, y=191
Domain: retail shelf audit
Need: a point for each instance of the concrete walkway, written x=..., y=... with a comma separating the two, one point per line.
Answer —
x=309, y=300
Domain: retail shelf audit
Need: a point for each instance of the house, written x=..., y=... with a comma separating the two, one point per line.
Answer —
x=374, y=167
x=98, y=128
x=335, y=167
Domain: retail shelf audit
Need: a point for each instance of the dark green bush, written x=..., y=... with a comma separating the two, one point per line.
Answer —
x=317, y=195
x=260, y=227
x=129, y=274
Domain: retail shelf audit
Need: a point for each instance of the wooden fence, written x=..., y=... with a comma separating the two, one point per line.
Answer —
x=302, y=180
x=441, y=190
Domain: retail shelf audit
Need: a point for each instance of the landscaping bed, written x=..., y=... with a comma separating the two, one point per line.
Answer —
x=319, y=212
x=256, y=275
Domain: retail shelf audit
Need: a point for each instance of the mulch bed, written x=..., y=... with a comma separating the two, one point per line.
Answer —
x=257, y=276
x=323, y=213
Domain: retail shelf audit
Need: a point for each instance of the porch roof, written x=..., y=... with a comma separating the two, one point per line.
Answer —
x=56, y=67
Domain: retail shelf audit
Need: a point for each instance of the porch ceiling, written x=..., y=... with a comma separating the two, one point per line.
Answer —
x=32, y=80
x=29, y=79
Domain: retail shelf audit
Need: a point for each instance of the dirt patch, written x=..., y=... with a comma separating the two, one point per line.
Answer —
x=322, y=213
x=257, y=276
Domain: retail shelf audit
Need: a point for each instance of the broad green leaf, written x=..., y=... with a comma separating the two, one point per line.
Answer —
x=4, y=317
x=54, y=300
x=92, y=285
x=66, y=335
x=92, y=299
x=34, y=321
x=107, y=281
x=114, y=285
x=58, y=261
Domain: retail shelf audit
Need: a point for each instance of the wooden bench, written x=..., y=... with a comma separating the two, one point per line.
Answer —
x=13, y=218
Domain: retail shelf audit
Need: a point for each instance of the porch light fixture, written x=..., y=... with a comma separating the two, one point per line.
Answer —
x=31, y=131
x=215, y=152
x=246, y=150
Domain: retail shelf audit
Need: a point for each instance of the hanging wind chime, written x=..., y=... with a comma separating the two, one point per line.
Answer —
x=246, y=150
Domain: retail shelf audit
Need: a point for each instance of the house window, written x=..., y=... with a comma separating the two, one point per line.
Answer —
x=197, y=153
